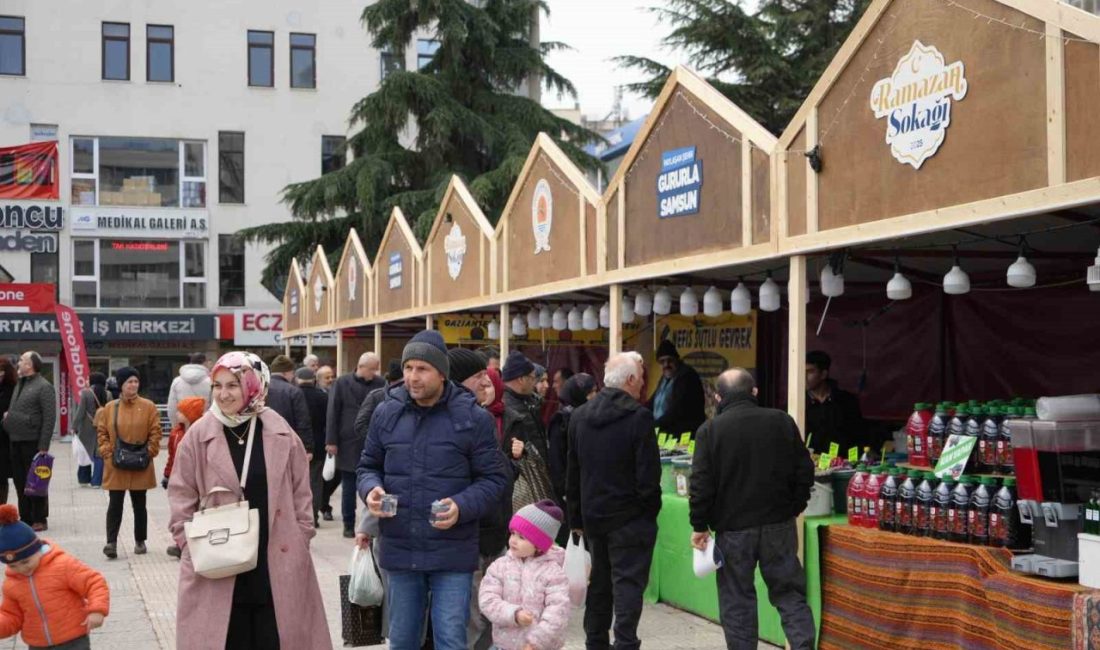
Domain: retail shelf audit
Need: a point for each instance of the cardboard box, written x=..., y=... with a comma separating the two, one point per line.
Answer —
x=1088, y=558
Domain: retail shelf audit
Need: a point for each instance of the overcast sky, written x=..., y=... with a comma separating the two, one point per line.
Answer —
x=598, y=30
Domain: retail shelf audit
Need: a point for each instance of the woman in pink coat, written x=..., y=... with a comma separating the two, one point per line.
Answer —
x=525, y=593
x=277, y=604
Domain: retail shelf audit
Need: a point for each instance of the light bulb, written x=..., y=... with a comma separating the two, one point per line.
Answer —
x=741, y=300
x=590, y=318
x=662, y=302
x=1021, y=274
x=628, y=309
x=519, y=326
x=546, y=318
x=956, y=282
x=560, y=321
x=769, y=295
x=643, y=303
x=899, y=287
x=605, y=315
x=494, y=329
x=832, y=284
x=533, y=319
x=712, y=302
x=689, y=304
x=575, y=319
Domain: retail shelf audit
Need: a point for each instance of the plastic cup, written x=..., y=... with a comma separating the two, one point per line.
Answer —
x=389, y=505
x=439, y=509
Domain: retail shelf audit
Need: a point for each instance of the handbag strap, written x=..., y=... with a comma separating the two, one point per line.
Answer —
x=248, y=452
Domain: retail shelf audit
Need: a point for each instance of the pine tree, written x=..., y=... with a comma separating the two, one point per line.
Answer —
x=467, y=115
x=765, y=61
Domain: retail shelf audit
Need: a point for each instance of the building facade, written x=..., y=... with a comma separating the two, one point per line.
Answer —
x=177, y=124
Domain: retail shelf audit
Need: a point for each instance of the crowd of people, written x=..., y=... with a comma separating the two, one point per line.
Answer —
x=472, y=487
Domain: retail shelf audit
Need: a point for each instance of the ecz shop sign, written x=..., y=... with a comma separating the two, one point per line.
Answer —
x=109, y=327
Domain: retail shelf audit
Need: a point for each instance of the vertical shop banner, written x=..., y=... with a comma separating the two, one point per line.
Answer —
x=29, y=171
x=64, y=398
x=74, y=355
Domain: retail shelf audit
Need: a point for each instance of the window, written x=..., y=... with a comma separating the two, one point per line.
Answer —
x=230, y=167
x=303, y=61
x=13, y=46
x=230, y=271
x=116, y=51
x=333, y=156
x=138, y=172
x=141, y=274
x=261, y=58
x=160, y=53
x=425, y=50
x=391, y=62
x=44, y=267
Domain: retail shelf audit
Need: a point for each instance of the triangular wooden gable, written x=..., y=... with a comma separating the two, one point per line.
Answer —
x=318, y=292
x=354, y=279
x=458, y=250
x=293, y=301
x=397, y=268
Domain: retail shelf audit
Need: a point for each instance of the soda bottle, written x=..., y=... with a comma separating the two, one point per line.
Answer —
x=974, y=430
x=1005, y=528
x=987, y=442
x=916, y=434
x=855, y=496
x=888, y=500
x=937, y=433
x=956, y=426
x=907, y=494
x=956, y=512
x=941, y=503
x=977, y=518
x=872, y=488
x=922, y=506
x=1092, y=514
x=1006, y=463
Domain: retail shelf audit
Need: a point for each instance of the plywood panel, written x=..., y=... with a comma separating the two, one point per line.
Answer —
x=399, y=298
x=442, y=288
x=293, y=309
x=796, y=186
x=319, y=305
x=761, y=197
x=590, y=241
x=351, y=288
x=1082, y=106
x=995, y=144
x=562, y=261
x=613, y=231
x=685, y=121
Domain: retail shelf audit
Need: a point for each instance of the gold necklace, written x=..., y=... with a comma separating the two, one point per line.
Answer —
x=240, y=438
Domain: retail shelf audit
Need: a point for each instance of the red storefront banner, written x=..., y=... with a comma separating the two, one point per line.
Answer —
x=29, y=171
x=33, y=298
x=72, y=340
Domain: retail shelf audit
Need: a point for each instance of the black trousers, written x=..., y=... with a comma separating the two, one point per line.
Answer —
x=620, y=573
x=114, y=515
x=317, y=483
x=32, y=510
x=252, y=627
x=775, y=547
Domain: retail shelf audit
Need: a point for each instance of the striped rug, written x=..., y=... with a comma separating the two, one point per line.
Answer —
x=887, y=590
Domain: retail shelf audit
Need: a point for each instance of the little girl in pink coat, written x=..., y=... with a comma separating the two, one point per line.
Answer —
x=525, y=594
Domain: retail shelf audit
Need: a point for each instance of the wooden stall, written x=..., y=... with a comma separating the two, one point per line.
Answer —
x=293, y=296
x=397, y=271
x=458, y=253
x=353, y=284
x=318, y=297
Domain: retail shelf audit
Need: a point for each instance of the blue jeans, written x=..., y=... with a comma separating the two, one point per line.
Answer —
x=408, y=600
x=348, y=494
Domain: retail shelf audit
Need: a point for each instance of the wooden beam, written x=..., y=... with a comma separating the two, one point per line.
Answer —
x=615, y=331
x=1056, y=105
x=429, y=322
x=309, y=344
x=505, y=331
x=339, y=353
x=582, y=208
x=811, y=175
x=746, y=192
x=796, y=344
x=622, y=223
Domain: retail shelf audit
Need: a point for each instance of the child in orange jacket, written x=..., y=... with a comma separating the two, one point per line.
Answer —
x=188, y=411
x=54, y=599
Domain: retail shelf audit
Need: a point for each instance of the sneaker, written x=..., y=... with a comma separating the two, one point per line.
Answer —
x=174, y=551
x=111, y=551
x=327, y=515
x=139, y=548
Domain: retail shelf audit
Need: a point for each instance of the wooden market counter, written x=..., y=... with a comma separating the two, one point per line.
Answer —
x=887, y=590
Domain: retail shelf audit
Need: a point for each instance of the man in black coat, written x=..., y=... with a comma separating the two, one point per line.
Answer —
x=751, y=477
x=522, y=408
x=613, y=490
x=832, y=414
x=679, y=403
x=342, y=440
x=317, y=402
x=285, y=398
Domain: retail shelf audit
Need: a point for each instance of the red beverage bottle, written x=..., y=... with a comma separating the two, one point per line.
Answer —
x=916, y=434
x=855, y=496
x=871, y=491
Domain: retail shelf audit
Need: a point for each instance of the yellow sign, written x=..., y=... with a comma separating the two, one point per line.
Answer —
x=473, y=329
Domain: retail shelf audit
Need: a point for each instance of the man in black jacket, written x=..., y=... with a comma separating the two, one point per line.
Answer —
x=285, y=398
x=317, y=403
x=832, y=414
x=613, y=490
x=750, y=478
x=522, y=408
x=679, y=403
x=341, y=439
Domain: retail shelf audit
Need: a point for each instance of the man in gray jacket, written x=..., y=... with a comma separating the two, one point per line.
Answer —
x=285, y=398
x=29, y=424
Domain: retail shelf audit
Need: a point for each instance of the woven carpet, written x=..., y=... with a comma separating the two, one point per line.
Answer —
x=886, y=590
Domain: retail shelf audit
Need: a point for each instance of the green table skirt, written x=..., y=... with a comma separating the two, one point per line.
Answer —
x=672, y=580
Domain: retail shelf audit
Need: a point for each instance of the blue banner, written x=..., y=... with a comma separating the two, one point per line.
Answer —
x=680, y=183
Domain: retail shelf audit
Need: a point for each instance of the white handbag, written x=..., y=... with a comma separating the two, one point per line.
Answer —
x=225, y=540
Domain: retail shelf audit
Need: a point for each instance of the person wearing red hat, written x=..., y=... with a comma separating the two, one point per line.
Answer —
x=188, y=411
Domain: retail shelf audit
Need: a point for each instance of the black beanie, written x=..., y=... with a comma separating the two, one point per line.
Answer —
x=516, y=366
x=465, y=364
x=428, y=346
x=122, y=375
x=667, y=349
x=394, y=372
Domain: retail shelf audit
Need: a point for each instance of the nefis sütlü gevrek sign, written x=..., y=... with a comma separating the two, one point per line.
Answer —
x=680, y=183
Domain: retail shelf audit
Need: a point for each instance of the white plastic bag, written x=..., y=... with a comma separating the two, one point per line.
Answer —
x=328, y=472
x=706, y=562
x=365, y=587
x=80, y=454
x=578, y=564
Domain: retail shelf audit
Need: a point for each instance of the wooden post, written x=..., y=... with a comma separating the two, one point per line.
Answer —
x=429, y=322
x=339, y=352
x=796, y=342
x=615, y=332
x=378, y=339
x=309, y=344
x=286, y=346
x=505, y=331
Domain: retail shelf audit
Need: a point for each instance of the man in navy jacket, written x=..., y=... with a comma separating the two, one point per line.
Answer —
x=430, y=441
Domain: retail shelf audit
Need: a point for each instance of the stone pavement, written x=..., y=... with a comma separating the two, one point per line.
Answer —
x=143, y=588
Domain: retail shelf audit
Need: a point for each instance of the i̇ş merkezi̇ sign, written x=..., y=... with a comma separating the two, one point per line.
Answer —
x=680, y=183
x=916, y=102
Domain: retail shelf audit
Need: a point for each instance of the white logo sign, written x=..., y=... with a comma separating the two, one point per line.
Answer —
x=395, y=270
x=318, y=293
x=916, y=100
x=166, y=223
x=353, y=278
x=542, y=215
x=294, y=301
x=454, y=244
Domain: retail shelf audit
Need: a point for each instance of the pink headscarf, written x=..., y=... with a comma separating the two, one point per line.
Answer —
x=254, y=376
